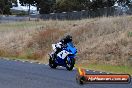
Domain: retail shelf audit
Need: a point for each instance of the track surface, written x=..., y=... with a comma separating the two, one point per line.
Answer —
x=16, y=74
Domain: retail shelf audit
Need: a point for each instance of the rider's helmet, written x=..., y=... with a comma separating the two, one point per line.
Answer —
x=69, y=38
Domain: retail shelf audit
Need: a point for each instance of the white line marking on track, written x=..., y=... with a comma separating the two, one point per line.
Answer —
x=87, y=70
x=39, y=63
x=31, y=62
x=16, y=60
x=100, y=72
x=23, y=61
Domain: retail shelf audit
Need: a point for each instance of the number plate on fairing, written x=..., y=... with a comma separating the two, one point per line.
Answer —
x=63, y=54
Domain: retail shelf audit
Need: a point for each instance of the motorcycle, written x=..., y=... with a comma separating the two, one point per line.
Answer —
x=65, y=58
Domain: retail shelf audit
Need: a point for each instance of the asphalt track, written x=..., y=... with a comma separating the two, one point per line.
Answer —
x=17, y=74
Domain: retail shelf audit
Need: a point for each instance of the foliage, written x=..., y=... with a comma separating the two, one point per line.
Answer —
x=22, y=13
x=5, y=6
x=49, y=6
x=45, y=6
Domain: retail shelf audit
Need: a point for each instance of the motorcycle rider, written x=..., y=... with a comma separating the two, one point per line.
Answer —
x=62, y=43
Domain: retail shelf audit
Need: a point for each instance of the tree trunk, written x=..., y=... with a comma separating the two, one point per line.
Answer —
x=29, y=11
x=1, y=11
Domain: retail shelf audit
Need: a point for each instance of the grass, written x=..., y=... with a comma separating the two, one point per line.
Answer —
x=36, y=25
x=100, y=40
x=108, y=68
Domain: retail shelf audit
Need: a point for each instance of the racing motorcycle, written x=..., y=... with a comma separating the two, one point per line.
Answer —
x=65, y=58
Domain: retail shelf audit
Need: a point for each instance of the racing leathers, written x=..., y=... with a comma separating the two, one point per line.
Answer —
x=63, y=42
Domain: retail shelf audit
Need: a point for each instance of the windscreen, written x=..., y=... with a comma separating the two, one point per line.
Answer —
x=71, y=44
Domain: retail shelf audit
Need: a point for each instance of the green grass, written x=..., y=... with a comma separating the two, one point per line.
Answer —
x=129, y=34
x=21, y=25
x=35, y=24
x=108, y=68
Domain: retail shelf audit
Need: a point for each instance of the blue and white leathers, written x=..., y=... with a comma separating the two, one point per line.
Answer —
x=69, y=52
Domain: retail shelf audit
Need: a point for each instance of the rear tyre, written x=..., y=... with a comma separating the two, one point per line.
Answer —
x=70, y=65
x=52, y=63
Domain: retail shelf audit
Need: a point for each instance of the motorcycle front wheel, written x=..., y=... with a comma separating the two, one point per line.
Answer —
x=70, y=64
x=52, y=63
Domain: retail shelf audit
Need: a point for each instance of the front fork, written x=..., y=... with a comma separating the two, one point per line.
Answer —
x=68, y=60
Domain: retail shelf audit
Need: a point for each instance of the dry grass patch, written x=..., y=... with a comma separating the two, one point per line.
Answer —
x=99, y=40
x=105, y=41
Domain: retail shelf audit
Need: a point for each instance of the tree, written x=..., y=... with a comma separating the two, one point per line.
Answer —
x=15, y=2
x=71, y=5
x=27, y=2
x=124, y=2
x=2, y=6
x=5, y=6
x=45, y=6
x=102, y=3
x=48, y=6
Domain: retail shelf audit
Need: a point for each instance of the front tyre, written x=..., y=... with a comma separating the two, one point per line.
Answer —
x=52, y=63
x=70, y=64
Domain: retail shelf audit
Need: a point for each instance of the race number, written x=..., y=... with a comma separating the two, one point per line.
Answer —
x=63, y=54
